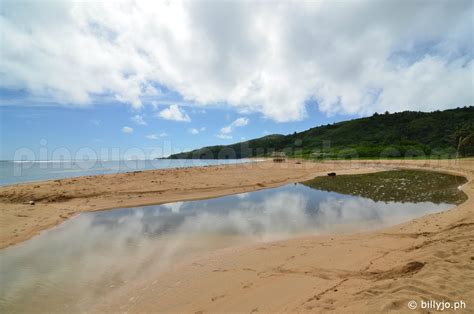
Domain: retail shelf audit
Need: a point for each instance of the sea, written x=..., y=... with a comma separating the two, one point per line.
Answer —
x=13, y=172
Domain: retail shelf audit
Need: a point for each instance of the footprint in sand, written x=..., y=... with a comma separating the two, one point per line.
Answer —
x=218, y=297
x=197, y=264
x=247, y=285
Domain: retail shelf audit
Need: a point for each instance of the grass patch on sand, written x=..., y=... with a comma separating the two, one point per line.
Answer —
x=396, y=186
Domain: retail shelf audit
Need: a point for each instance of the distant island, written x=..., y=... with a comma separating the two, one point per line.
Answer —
x=439, y=134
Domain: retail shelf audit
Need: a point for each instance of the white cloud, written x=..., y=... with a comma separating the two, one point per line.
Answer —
x=224, y=136
x=127, y=130
x=240, y=122
x=227, y=130
x=350, y=57
x=138, y=119
x=174, y=113
x=197, y=131
x=154, y=136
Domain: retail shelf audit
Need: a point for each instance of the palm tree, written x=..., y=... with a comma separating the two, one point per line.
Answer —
x=464, y=141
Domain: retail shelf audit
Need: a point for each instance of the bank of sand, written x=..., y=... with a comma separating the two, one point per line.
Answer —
x=58, y=200
x=428, y=258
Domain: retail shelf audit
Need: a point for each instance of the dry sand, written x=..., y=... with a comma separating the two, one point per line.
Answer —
x=429, y=258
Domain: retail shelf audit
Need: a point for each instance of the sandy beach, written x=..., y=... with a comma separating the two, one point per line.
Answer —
x=58, y=200
x=428, y=258
x=237, y=157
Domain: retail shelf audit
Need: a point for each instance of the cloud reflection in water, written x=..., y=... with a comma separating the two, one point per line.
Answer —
x=72, y=265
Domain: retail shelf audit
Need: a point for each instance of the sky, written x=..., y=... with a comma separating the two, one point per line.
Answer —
x=111, y=79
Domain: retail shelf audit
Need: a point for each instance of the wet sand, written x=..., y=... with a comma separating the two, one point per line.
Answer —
x=430, y=257
x=58, y=200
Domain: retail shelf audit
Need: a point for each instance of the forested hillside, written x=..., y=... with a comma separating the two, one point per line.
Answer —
x=408, y=133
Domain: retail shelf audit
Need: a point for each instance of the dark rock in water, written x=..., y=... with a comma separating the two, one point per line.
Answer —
x=331, y=174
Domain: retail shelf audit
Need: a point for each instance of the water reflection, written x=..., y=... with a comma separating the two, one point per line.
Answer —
x=70, y=267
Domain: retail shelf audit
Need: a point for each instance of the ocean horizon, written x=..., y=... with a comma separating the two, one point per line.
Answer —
x=23, y=171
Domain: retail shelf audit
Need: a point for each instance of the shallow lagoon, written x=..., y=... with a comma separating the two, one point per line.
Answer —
x=70, y=267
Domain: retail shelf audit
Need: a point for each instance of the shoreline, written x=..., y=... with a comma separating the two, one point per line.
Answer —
x=425, y=258
x=61, y=199
x=241, y=161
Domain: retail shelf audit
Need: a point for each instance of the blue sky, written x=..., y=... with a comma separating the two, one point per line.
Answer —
x=177, y=75
x=101, y=127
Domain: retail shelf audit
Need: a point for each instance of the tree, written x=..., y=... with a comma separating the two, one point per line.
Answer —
x=465, y=140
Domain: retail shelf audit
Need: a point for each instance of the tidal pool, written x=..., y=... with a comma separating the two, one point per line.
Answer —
x=71, y=267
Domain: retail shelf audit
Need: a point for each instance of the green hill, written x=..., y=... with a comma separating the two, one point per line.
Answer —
x=403, y=134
